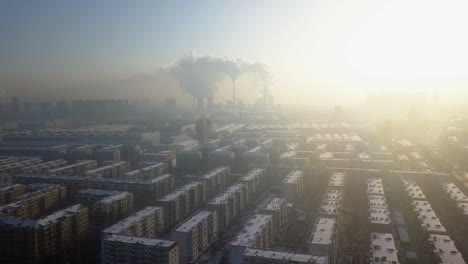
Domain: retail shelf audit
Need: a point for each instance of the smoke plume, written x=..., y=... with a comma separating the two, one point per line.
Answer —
x=199, y=75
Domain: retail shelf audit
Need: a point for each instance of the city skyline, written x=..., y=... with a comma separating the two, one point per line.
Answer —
x=330, y=52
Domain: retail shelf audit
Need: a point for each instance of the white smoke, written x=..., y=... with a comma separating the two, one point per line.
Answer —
x=199, y=75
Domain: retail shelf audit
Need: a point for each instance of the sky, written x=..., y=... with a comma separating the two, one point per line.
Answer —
x=317, y=51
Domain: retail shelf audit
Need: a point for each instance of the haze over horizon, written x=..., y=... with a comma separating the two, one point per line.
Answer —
x=316, y=51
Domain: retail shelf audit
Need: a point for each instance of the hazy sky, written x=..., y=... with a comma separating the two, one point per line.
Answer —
x=325, y=51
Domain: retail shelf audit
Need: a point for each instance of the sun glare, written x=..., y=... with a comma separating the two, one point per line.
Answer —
x=416, y=41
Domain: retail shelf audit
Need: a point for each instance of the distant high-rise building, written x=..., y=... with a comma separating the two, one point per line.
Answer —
x=2, y=100
x=171, y=105
x=384, y=132
x=200, y=105
x=203, y=129
x=63, y=108
x=15, y=104
x=210, y=102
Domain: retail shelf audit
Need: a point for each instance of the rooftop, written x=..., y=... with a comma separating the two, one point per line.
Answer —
x=251, y=230
x=382, y=249
x=464, y=208
x=97, y=192
x=337, y=179
x=323, y=231
x=141, y=241
x=282, y=255
x=181, y=191
x=116, y=197
x=374, y=186
x=252, y=174
x=329, y=207
x=274, y=203
x=454, y=192
x=413, y=190
x=129, y=221
x=293, y=177
x=445, y=249
x=72, y=210
x=427, y=217
x=377, y=201
x=379, y=216
x=224, y=196
x=341, y=137
x=333, y=195
x=193, y=221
